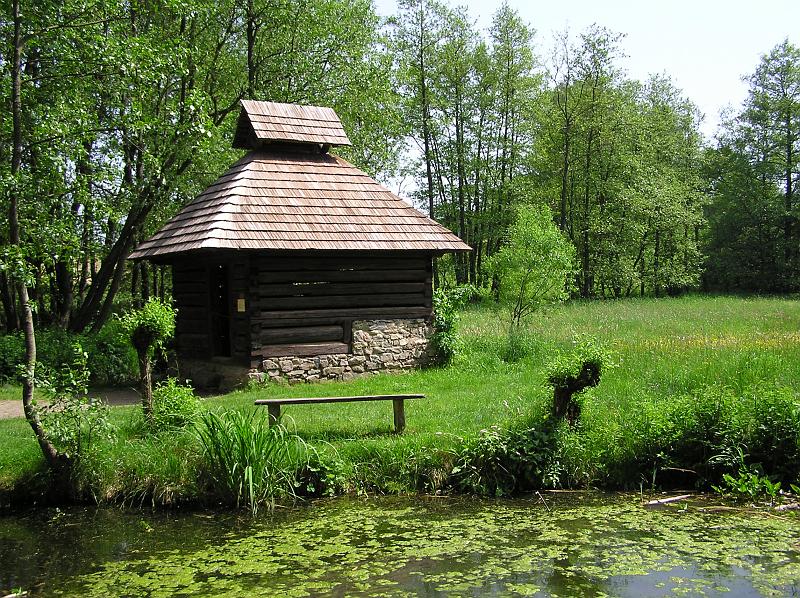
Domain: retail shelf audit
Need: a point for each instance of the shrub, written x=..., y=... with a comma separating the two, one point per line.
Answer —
x=534, y=266
x=444, y=340
x=765, y=423
x=247, y=461
x=54, y=347
x=174, y=405
x=571, y=373
x=463, y=294
x=71, y=421
x=504, y=461
x=112, y=359
x=12, y=353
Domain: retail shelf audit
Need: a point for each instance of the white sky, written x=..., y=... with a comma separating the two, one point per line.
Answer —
x=705, y=46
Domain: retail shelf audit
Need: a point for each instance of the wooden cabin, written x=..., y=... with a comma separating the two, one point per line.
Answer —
x=295, y=264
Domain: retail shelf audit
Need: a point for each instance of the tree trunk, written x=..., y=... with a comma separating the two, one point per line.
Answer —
x=426, y=132
x=787, y=222
x=146, y=383
x=57, y=461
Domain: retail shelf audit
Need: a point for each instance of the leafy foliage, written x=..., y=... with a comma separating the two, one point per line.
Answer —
x=752, y=238
x=71, y=421
x=750, y=483
x=174, y=405
x=534, y=265
x=111, y=359
x=150, y=327
x=505, y=461
x=444, y=340
x=586, y=349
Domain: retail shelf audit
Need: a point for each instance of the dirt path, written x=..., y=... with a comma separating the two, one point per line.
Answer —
x=112, y=396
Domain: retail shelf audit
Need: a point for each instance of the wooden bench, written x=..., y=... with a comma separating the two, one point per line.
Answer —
x=274, y=405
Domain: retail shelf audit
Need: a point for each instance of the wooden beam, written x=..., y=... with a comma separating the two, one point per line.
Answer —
x=353, y=312
x=356, y=399
x=324, y=288
x=399, y=415
x=415, y=275
x=301, y=334
x=302, y=349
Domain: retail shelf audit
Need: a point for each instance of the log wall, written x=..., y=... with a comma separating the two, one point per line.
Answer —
x=305, y=306
x=192, y=296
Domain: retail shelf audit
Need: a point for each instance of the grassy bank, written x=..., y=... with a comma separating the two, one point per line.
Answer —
x=698, y=383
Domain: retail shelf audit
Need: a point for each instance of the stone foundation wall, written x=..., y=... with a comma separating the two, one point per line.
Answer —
x=378, y=345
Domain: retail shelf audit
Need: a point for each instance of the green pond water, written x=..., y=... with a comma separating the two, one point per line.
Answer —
x=577, y=545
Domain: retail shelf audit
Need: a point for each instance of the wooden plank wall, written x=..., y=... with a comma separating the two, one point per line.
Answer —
x=306, y=305
x=190, y=290
x=239, y=272
x=192, y=298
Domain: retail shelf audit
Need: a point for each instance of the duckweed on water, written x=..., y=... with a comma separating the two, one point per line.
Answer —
x=455, y=547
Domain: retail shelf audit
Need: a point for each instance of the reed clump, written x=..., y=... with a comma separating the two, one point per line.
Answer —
x=246, y=461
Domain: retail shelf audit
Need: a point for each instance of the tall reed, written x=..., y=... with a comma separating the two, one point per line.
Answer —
x=248, y=462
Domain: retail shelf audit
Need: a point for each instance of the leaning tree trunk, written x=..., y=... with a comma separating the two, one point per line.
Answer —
x=564, y=391
x=58, y=462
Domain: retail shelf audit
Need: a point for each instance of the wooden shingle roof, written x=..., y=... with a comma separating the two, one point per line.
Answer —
x=262, y=123
x=282, y=200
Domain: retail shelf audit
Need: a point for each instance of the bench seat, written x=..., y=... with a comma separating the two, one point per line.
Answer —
x=274, y=405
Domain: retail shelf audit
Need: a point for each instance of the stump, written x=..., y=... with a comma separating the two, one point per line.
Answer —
x=565, y=389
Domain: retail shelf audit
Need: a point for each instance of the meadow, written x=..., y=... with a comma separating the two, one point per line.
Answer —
x=698, y=386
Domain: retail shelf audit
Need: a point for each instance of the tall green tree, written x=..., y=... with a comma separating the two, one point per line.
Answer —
x=753, y=240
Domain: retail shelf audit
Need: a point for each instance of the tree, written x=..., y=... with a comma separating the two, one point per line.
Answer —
x=619, y=162
x=149, y=329
x=469, y=102
x=534, y=265
x=753, y=240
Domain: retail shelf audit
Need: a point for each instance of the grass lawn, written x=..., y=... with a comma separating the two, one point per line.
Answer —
x=666, y=352
x=662, y=348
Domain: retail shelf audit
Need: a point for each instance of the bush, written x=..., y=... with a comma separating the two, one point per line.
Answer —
x=505, y=461
x=174, y=405
x=54, y=347
x=150, y=327
x=570, y=374
x=112, y=360
x=12, y=353
x=71, y=421
x=535, y=264
x=444, y=340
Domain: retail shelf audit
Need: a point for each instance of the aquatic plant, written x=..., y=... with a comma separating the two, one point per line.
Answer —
x=248, y=462
x=750, y=483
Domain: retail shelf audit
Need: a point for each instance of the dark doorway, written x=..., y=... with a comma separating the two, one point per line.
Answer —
x=220, y=311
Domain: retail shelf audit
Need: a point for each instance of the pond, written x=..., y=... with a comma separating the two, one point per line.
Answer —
x=574, y=545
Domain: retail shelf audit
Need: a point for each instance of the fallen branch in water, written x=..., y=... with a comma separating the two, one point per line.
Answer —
x=666, y=501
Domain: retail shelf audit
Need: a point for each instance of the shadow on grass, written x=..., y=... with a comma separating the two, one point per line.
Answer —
x=342, y=434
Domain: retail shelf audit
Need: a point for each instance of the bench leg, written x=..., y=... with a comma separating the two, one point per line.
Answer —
x=274, y=413
x=399, y=416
